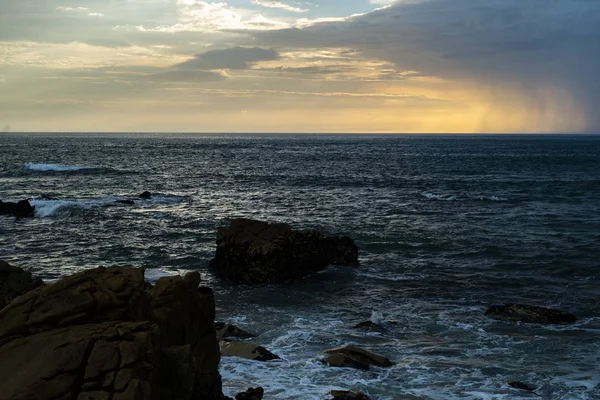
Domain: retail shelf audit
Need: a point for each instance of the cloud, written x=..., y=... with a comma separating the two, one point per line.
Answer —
x=231, y=58
x=278, y=4
x=187, y=76
x=543, y=54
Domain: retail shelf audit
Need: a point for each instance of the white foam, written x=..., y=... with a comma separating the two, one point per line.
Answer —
x=442, y=197
x=48, y=208
x=453, y=197
x=154, y=274
x=55, y=167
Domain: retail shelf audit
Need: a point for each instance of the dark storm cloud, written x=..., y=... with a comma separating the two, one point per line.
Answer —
x=231, y=58
x=497, y=44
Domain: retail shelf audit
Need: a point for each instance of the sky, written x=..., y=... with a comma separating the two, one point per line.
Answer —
x=316, y=66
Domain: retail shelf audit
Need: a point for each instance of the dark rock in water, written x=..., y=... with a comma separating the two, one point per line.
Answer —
x=354, y=357
x=251, y=394
x=347, y=395
x=533, y=314
x=369, y=326
x=231, y=331
x=22, y=209
x=255, y=252
x=15, y=282
x=127, y=201
x=246, y=350
x=102, y=334
x=521, y=386
x=145, y=195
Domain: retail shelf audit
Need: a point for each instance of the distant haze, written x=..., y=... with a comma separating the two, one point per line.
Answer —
x=300, y=66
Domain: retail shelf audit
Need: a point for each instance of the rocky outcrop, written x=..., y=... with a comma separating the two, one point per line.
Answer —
x=146, y=195
x=103, y=334
x=251, y=394
x=14, y=282
x=246, y=350
x=353, y=356
x=347, y=395
x=254, y=252
x=21, y=209
x=521, y=386
x=369, y=326
x=231, y=331
x=532, y=314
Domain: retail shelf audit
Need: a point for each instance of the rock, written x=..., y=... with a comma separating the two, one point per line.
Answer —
x=251, y=394
x=521, y=386
x=231, y=331
x=369, y=326
x=21, y=209
x=103, y=334
x=533, y=314
x=127, y=202
x=354, y=357
x=347, y=395
x=146, y=195
x=14, y=282
x=246, y=350
x=255, y=252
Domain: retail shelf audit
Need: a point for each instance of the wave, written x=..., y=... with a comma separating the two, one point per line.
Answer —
x=56, y=167
x=453, y=197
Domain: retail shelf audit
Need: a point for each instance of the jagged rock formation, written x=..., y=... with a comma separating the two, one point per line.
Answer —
x=14, y=282
x=352, y=356
x=251, y=394
x=255, y=252
x=246, y=350
x=532, y=314
x=103, y=334
x=21, y=209
x=231, y=331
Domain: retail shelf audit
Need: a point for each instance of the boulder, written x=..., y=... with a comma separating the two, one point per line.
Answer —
x=255, y=252
x=532, y=314
x=146, y=195
x=347, y=395
x=369, y=326
x=14, y=282
x=103, y=334
x=21, y=209
x=246, y=350
x=231, y=331
x=355, y=357
x=521, y=386
x=251, y=394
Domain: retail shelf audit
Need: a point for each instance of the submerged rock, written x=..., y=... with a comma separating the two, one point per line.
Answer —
x=21, y=209
x=146, y=195
x=15, y=282
x=246, y=350
x=347, y=395
x=102, y=334
x=231, y=331
x=254, y=252
x=126, y=201
x=355, y=357
x=369, y=326
x=532, y=314
x=251, y=394
x=521, y=386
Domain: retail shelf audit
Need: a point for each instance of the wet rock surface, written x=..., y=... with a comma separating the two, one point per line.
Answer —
x=103, y=334
x=21, y=209
x=352, y=356
x=254, y=252
x=225, y=330
x=347, y=395
x=531, y=314
x=246, y=350
x=251, y=394
x=15, y=282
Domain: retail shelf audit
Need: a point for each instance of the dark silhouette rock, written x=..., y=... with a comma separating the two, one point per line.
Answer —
x=146, y=195
x=246, y=350
x=369, y=326
x=128, y=202
x=354, y=357
x=255, y=252
x=251, y=394
x=521, y=386
x=231, y=331
x=103, y=334
x=347, y=395
x=532, y=314
x=14, y=282
x=21, y=209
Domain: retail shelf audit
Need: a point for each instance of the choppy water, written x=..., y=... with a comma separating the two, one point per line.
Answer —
x=446, y=226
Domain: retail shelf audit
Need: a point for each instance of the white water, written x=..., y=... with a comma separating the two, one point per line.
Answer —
x=55, y=167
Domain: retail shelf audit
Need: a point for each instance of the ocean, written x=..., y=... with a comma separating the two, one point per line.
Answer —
x=446, y=227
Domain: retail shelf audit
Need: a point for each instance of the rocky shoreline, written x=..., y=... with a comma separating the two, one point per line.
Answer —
x=107, y=334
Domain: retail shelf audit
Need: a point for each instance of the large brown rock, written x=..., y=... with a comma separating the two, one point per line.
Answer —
x=253, y=252
x=14, y=282
x=352, y=356
x=246, y=350
x=103, y=334
x=532, y=314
